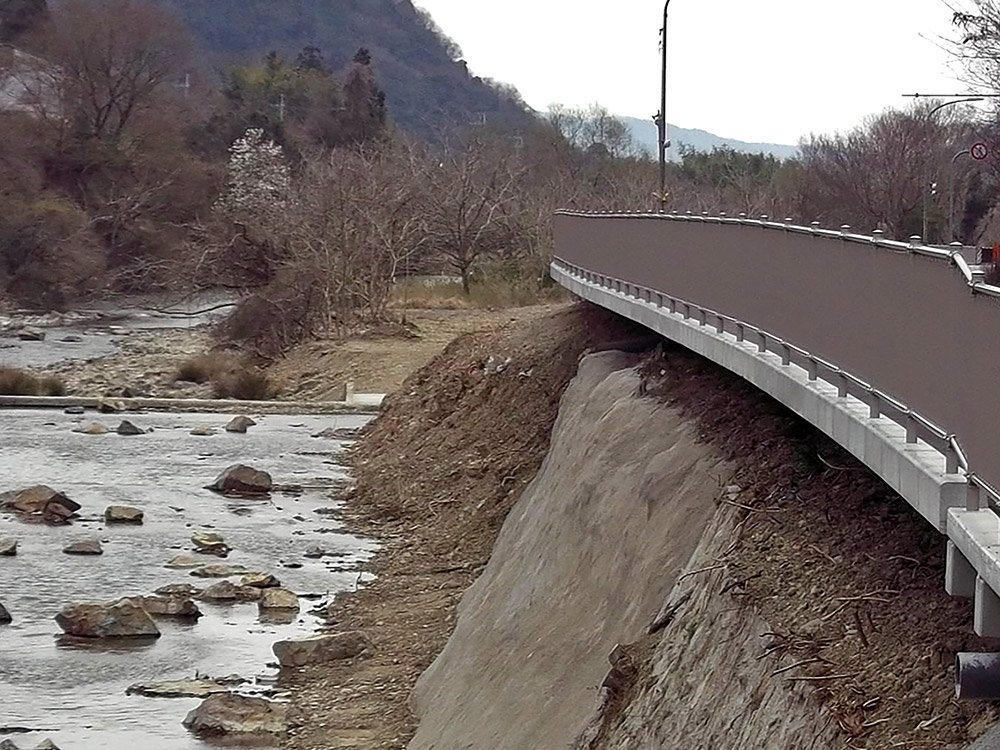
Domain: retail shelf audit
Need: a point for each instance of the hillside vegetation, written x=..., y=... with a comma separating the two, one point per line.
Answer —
x=427, y=84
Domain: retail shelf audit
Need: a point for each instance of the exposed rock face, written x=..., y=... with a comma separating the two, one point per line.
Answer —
x=178, y=589
x=224, y=591
x=87, y=547
x=4, y=615
x=260, y=580
x=177, y=689
x=8, y=547
x=239, y=424
x=278, y=598
x=219, y=570
x=124, y=618
x=239, y=479
x=228, y=713
x=127, y=428
x=122, y=514
x=322, y=648
x=40, y=502
x=170, y=606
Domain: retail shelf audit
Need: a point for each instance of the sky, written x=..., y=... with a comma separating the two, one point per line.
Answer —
x=763, y=71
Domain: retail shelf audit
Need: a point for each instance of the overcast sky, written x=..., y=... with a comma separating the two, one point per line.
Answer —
x=764, y=70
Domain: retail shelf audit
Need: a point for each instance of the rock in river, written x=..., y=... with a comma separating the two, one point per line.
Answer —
x=121, y=619
x=4, y=615
x=86, y=547
x=127, y=428
x=322, y=648
x=210, y=543
x=178, y=589
x=260, y=580
x=185, y=561
x=228, y=713
x=239, y=424
x=239, y=479
x=31, y=334
x=8, y=547
x=224, y=591
x=122, y=514
x=278, y=598
x=314, y=552
x=177, y=689
x=41, y=502
x=73, y=410
x=170, y=606
x=202, y=431
x=219, y=570
x=94, y=428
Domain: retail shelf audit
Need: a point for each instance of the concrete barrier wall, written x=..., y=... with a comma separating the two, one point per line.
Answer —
x=905, y=321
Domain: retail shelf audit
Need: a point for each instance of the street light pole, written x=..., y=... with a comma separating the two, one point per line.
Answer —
x=951, y=194
x=926, y=187
x=661, y=119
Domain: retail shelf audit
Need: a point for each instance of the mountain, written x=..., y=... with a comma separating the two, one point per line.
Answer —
x=644, y=133
x=428, y=86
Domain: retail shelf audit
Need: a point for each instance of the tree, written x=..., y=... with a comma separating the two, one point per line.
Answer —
x=20, y=17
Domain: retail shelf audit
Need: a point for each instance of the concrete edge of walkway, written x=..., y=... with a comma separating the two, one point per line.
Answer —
x=363, y=403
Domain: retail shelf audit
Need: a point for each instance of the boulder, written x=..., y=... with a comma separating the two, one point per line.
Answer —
x=170, y=606
x=8, y=547
x=94, y=428
x=224, y=591
x=110, y=406
x=46, y=744
x=196, y=688
x=219, y=570
x=86, y=547
x=178, y=589
x=8, y=745
x=239, y=479
x=72, y=338
x=4, y=615
x=202, y=431
x=122, y=514
x=278, y=598
x=239, y=424
x=322, y=648
x=42, y=502
x=124, y=618
x=228, y=713
x=127, y=428
x=210, y=543
x=31, y=334
x=73, y=410
x=185, y=561
x=260, y=580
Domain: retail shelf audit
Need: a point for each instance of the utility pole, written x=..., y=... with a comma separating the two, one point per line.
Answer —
x=661, y=118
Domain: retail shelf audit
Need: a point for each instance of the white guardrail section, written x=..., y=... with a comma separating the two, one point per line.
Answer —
x=921, y=461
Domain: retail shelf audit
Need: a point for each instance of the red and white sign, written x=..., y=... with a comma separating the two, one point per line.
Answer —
x=979, y=151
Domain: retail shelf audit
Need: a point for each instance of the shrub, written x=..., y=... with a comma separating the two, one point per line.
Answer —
x=246, y=385
x=205, y=367
x=14, y=382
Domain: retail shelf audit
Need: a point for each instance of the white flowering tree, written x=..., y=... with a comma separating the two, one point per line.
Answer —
x=258, y=180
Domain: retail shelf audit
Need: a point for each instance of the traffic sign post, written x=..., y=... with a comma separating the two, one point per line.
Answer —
x=979, y=151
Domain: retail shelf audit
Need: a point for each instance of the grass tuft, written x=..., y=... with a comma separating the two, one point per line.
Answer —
x=14, y=382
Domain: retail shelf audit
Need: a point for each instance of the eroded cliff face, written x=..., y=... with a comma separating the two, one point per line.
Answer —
x=593, y=553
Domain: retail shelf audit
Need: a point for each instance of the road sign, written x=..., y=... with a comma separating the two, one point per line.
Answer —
x=979, y=151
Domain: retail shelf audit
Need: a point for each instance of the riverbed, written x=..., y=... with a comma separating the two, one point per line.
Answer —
x=75, y=692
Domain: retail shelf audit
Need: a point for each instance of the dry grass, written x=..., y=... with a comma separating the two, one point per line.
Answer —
x=14, y=382
x=244, y=384
x=203, y=368
x=482, y=295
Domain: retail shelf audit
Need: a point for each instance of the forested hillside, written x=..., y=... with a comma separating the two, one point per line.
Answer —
x=427, y=84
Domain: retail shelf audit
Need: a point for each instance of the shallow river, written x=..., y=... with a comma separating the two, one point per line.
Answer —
x=76, y=694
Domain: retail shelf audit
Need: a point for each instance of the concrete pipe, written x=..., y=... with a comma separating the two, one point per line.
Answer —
x=977, y=676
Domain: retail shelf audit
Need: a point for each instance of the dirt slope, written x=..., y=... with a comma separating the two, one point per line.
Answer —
x=437, y=473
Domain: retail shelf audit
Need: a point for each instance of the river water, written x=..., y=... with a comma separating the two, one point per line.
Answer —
x=76, y=693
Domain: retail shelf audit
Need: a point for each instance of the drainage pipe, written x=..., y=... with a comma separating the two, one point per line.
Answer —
x=977, y=676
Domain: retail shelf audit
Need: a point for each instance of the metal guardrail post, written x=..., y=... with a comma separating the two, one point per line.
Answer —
x=911, y=429
x=812, y=369
x=841, y=386
x=874, y=405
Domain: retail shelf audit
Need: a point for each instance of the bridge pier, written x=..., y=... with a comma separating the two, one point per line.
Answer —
x=959, y=575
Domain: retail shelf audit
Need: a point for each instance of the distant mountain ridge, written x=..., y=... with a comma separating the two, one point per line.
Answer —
x=645, y=134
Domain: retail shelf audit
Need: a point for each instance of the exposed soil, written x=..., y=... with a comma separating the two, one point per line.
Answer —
x=437, y=473
x=850, y=578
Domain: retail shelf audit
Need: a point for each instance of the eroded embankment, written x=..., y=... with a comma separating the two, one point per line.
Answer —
x=804, y=609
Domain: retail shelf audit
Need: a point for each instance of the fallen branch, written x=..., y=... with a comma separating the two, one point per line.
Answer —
x=795, y=666
x=700, y=570
x=821, y=678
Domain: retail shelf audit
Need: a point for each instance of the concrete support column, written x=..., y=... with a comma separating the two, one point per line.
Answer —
x=959, y=575
x=986, y=619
